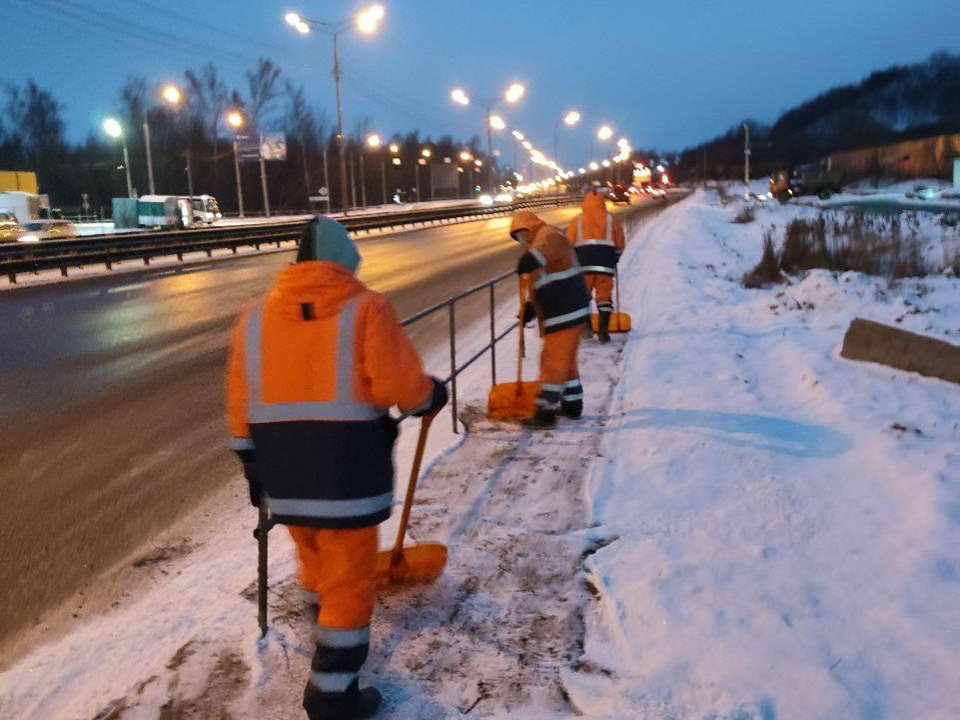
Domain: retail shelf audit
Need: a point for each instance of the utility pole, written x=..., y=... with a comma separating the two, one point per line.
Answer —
x=126, y=165
x=746, y=159
x=345, y=205
x=353, y=182
x=146, y=142
x=326, y=181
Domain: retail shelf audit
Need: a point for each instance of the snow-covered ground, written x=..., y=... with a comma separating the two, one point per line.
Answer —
x=783, y=526
x=743, y=526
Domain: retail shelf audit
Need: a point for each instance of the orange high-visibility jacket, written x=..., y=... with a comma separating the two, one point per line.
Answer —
x=597, y=236
x=313, y=369
x=554, y=274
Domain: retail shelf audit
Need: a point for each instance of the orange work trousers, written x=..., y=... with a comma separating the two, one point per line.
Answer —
x=338, y=565
x=559, y=372
x=600, y=286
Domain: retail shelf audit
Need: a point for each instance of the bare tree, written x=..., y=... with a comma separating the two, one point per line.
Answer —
x=263, y=88
x=208, y=97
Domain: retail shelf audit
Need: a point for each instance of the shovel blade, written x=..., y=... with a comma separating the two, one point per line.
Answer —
x=619, y=322
x=512, y=401
x=418, y=564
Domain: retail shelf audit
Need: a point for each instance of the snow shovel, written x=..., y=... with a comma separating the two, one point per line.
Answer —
x=415, y=563
x=620, y=322
x=514, y=401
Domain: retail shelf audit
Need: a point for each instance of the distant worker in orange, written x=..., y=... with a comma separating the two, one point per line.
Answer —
x=560, y=302
x=314, y=366
x=598, y=239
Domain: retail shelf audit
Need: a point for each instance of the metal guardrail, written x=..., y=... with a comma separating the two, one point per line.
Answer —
x=632, y=217
x=109, y=249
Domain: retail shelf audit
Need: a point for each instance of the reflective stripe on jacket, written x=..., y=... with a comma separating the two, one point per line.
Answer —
x=310, y=379
x=596, y=255
x=559, y=293
x=597, y=236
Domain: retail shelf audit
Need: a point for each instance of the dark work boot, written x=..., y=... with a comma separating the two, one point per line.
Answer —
x=572, y=410
x=543, y=419
x=603, y=328
x=368, y=704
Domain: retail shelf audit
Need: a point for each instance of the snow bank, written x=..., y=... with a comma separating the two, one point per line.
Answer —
x=783, y=526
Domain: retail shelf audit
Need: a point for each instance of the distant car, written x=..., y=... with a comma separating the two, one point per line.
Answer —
x=620, y=194
x=37, y=230
x=10, y=229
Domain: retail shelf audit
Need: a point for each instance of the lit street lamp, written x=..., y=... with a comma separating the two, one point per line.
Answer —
x=365, y=22
x=570, y=120
x=426, y=153
x=173, y=96
x=236, y=120
x=375, y=143
x=113, y=128
x=512, y=95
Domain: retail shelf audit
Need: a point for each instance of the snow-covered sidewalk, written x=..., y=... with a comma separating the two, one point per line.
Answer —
x=782, y=526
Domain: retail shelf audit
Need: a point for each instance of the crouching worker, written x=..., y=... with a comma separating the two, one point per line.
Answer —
x=314, y=366
x=558, y=298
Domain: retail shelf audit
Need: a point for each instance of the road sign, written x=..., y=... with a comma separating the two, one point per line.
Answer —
x=273, y=147
x=248, y=148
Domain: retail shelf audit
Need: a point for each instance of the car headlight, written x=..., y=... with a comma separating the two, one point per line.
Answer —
x=28, y=239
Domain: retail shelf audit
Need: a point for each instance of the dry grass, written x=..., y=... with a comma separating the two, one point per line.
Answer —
x=746, y=215
x=880, y=246
x=767, y=271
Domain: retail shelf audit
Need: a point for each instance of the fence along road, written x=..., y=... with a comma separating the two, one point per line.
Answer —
x=113, y=419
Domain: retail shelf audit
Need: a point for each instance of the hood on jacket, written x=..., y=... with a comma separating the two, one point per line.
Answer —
x=526, y=220
x=594, y=206
x=321, y=286
x=326, y=240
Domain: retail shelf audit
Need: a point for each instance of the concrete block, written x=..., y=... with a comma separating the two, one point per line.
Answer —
x=875, y=342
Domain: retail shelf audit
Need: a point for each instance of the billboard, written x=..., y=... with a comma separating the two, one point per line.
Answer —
x=251, y=148
x=273, y=147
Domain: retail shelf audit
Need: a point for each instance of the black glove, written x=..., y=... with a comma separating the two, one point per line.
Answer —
x=529, y=313
x=391, y=430
x=249, y=460
x=438, y=399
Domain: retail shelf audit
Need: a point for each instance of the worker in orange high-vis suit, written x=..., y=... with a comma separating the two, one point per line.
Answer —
x=598, y=239
x=558, y=298
x=313, y=368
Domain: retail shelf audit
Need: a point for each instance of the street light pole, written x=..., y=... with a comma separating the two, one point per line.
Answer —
x=236, y=167
x=146, y=141
x=263, y=180
x=489, y=152
x=746, y=158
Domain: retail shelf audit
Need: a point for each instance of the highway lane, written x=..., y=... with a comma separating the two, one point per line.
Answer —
x=112, y=400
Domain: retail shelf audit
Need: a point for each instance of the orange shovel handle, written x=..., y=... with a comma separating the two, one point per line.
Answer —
x=397, y=554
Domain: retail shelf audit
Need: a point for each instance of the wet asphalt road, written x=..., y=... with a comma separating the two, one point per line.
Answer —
x=111, y=395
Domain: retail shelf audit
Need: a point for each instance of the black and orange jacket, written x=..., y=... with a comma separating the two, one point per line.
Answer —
x=553, y=273
x=313, y=369
x=597, y=236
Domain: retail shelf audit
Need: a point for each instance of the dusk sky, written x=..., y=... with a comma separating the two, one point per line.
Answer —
x=665, y=74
